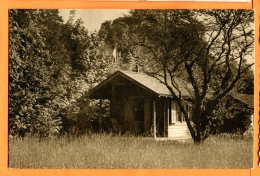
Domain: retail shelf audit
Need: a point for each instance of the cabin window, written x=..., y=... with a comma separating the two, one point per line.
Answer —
x=138, y=109
x=180, y=116
x=175, y=114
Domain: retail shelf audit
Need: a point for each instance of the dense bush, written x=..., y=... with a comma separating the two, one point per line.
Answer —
x=83, y=117
x=52, y=65
x=231, y=116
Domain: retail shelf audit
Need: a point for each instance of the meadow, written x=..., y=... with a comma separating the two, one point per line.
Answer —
x=112, y=151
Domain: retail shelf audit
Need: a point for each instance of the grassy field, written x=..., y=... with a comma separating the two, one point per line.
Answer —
x=108, y=151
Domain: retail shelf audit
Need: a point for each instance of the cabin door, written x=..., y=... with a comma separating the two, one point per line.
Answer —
x=138, y=107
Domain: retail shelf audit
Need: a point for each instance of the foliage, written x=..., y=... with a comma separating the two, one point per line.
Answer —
x=119, y=37
x=52, y=64
x=82, y=117
x=29, y=74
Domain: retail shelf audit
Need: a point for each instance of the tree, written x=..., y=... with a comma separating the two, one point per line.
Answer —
x=52, y=64
x=208, y=49
x=29, y=76
x=228, y=40
x=87, y=62
x=119, y=36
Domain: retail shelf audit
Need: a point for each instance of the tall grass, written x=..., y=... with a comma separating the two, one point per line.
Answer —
x=108, y=151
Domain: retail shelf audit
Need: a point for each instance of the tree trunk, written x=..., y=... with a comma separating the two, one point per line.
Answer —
x=198, y=138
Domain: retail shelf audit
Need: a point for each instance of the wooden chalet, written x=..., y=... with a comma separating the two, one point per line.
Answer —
x=141, y=104
x=245, y=99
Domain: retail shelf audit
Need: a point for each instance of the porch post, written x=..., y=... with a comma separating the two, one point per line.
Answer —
x=100, y=114
x=166, y=117
x=154, y=119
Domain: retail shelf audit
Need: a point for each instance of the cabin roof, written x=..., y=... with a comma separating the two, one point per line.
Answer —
x=149, y=83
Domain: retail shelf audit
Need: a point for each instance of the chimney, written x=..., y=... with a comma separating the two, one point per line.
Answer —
x=137, y=68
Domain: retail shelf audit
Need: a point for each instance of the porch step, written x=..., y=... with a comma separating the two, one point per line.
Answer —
x=186, y=138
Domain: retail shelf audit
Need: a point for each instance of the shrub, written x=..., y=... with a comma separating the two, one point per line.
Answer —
x=231, y=117
x=83, y=117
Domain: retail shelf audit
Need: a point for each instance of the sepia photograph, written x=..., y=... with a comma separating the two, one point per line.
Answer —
x=131, y=88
